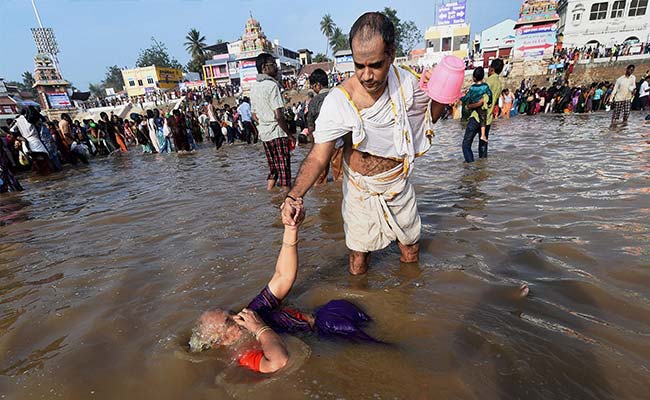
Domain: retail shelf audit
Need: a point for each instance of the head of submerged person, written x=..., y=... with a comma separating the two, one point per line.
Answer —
x=478, y=74
x=318, y=80
x=265, y=64
x=372, y=40
x=213, y=329
x=629, y=70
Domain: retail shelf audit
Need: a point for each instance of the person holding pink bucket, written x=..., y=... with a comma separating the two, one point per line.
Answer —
x=382, y=117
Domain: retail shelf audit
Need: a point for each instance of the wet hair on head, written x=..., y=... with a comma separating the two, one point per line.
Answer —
x=149, y=114
x=318, y=76
x=261, y=59
x=478, y=74
x=102, y=115
x=374, y=23
x=631, y=66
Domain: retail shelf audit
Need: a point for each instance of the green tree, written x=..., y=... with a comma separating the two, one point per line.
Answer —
x=320, y=57
x=96, y=90
x=327, y=26
x=113, y=78
x=195, y=44
x=407, y=34
x=339, y=40
x=157, y=55
x=28, y=80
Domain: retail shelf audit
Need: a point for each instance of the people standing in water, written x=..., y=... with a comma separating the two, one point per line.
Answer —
x=622, y=95
x=26, y=127
x=268, y=110
x=179, y=132
x=319, y=83
x=479, y=91
x=474, y=125
x=252, y=335
x=214, y=123
x=384, y=120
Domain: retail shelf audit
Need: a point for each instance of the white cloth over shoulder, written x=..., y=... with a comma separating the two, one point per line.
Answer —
x=378, y=210
x=397, y=126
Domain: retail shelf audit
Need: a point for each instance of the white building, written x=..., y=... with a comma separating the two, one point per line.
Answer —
x=497, y=41
x=598, y=22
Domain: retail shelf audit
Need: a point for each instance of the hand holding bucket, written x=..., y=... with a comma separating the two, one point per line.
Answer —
x=444, y=82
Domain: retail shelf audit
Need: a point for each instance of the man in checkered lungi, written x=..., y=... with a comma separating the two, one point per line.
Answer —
x=623, y=94
x=268, y=110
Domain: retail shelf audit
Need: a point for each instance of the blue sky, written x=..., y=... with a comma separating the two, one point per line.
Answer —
x=93, y=34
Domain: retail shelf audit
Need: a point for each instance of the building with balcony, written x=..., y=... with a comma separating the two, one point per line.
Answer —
x=592, y=23
x=148, y=80
x=497, y=41
x=443, y=40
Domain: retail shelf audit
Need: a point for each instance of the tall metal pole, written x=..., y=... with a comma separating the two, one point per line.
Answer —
x=38, y=17
x=55, y=60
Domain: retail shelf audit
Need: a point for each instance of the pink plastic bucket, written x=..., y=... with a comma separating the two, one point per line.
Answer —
x=446, y=80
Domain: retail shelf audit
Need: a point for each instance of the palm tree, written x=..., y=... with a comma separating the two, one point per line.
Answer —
x=327, y=26
x=195, y=44
x=338, y=40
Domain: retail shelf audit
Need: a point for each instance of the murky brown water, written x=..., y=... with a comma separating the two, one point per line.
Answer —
x=104, y=269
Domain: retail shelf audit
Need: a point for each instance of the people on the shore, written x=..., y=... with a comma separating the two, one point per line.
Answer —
x=268, y=111
x=622, y=94
x=252, y=335
x=384, y=120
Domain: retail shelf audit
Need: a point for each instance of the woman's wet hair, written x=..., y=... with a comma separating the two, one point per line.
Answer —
x=371, y=24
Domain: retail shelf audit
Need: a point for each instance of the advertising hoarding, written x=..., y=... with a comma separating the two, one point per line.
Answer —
x=452, y=13
x=535, y=42
x=59, y=100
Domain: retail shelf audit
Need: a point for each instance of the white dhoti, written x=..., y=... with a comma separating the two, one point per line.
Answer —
x=378, y=210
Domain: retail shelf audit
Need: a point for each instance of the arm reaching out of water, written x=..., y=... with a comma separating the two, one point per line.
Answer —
x=286, y=268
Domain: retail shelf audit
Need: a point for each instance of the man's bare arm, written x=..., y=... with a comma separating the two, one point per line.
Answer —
x=312, y=167
x=314, y=164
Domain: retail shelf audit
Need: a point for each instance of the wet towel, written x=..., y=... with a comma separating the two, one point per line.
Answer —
x=378, y=210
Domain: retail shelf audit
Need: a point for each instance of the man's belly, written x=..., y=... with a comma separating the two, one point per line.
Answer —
x=367, y=164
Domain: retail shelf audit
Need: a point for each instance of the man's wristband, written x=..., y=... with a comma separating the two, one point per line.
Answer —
x=291, y=197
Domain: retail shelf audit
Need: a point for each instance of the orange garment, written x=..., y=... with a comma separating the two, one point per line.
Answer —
x=506, y=110
x=121, y=143
x=252, y=360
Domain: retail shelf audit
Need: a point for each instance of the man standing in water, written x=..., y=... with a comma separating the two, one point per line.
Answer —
x=623, y=94
x=268, y=110
x=383, y=120
x=473, y=125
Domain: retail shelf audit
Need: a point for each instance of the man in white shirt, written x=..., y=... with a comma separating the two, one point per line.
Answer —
x=268, y=110
x=644, y=93
x=214, y=123
x=384, y=120
x=246, y=117
x=623, y=94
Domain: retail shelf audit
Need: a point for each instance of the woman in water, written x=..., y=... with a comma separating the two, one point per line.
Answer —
x=252, y=335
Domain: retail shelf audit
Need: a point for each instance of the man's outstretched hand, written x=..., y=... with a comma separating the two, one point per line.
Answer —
x=293, y=211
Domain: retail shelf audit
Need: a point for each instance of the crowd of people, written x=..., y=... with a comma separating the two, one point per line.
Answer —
x=561, y=97
x=34, y=142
